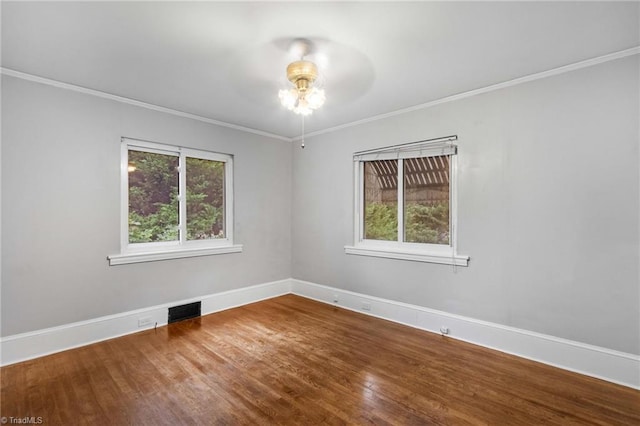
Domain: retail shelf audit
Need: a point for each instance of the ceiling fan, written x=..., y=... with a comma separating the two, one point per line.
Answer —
x=305, y=97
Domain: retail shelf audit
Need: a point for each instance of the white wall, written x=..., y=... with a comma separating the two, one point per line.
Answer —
x=61, y=214
x=548, y=208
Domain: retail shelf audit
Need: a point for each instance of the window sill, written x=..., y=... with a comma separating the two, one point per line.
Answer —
x=151, y=256
x=413, y=255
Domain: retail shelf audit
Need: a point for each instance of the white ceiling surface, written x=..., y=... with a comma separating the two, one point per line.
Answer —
x=226, y=61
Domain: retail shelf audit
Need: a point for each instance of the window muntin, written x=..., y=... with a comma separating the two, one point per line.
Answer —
x=175, y=198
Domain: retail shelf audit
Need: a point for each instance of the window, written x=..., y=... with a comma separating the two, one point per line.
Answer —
x=405, y=202
x=176, y=202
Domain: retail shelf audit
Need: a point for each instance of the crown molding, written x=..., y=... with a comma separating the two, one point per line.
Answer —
x=520, y=80
x=516, y=81
x=129, y=101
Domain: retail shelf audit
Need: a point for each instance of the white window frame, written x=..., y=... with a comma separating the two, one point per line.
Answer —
x=181, y=248
x=420, y=252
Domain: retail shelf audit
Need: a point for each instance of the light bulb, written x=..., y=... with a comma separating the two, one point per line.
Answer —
x=302, y=103
x=315, y=98
x=302, y=107
x=288, y=98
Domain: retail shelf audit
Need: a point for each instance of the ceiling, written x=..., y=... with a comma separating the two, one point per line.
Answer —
x=226, y=61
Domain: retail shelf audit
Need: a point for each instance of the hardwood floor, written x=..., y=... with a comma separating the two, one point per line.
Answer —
x=290, y=360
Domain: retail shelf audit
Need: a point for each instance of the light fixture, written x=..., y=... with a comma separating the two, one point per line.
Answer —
x=304, y=97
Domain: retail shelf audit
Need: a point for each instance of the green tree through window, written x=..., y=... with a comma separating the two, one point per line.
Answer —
x=425, y=200
x=154, y=207
x=205, y=199
x=153, y=197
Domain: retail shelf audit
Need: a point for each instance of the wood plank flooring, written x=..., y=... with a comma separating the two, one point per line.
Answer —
x=293, y=361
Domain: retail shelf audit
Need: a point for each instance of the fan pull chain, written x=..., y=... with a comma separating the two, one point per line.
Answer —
x=302, y=145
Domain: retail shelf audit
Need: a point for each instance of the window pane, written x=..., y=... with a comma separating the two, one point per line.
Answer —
x=381, y=200
x=426, y=200
x=205, y=199
x=153, y=197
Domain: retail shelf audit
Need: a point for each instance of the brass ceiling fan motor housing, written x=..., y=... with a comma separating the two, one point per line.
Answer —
x=302, y=74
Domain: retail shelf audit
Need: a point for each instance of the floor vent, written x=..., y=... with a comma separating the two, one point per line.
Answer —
x=183, y=312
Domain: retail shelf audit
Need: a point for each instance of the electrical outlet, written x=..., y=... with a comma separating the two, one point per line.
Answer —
x=144, y=321
x=366, y=306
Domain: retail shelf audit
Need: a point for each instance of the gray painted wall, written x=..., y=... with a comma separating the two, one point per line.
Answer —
x=548, y=208
x=548, y=196
x=61, y=214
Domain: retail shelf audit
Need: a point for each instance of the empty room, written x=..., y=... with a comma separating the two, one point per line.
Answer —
x=297, y=213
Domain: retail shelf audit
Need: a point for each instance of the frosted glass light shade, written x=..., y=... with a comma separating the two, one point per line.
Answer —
x=288, y=98
x=302, y=102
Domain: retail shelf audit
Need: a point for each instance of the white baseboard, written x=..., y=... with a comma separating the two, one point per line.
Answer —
x=606, y=364
x=25, y=346
x=602, y=363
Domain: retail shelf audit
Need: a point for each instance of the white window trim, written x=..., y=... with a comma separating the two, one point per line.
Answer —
x=430, y=253
x=148, y=252
x=123, y=259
